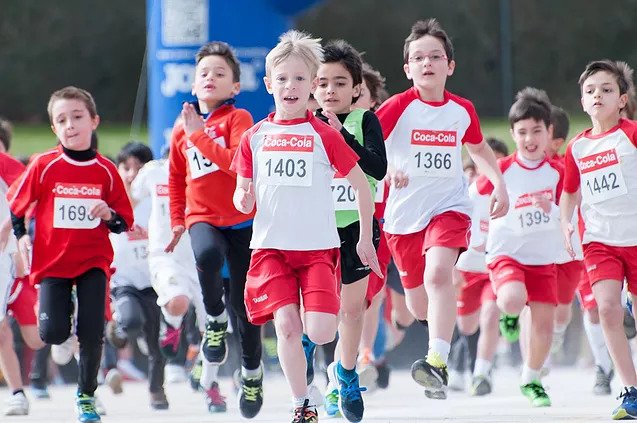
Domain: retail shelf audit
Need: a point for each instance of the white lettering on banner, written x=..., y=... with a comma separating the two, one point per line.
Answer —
x=286, y=159
x=184, y=22
x=433, y=153
x=601, y=177
x=343, y=195
x=178, y=78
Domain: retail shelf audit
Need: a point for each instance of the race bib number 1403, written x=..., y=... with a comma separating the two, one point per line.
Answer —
x=286, y=159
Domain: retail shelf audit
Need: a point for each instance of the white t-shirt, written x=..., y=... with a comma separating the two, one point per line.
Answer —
x=152, y=183
x=292, y=164
x=130, y=252
x=424, y=140
x=604, y=167
x=526, y=234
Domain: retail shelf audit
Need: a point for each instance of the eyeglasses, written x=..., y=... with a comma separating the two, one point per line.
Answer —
x=433, y=58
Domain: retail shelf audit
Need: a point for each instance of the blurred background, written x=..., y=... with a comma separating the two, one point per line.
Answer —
x=501, y=46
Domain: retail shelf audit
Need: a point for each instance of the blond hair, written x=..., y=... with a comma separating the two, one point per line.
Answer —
x=299, y=44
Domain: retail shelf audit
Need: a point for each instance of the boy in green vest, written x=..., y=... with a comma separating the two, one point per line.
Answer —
x=339, y=86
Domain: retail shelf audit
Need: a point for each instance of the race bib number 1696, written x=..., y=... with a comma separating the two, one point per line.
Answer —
x=72, y=204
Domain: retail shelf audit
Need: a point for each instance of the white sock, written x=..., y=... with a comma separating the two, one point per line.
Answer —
x=441, y=347
x=209, y=372
x=251, y=374
x=482, y=367
x=222, y=318
x=529, y=375
x=597, y=342
x=174, y=321
x=298, y=402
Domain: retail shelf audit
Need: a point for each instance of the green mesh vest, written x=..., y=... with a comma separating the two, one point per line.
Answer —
x=354, y=125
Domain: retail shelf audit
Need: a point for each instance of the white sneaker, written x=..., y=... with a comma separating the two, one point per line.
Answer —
x=99, y=406
x=368, y=377
x=17, y=405
x=63, y=353
x=174, y=373
x=114, y=380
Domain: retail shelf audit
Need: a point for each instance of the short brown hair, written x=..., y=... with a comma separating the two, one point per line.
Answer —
x=6, y=133
x=531, y=103
x=73, y=93
x=431, y=27
x=560, y=122
x=221, y=49
x=375, y=84
x=620, y=70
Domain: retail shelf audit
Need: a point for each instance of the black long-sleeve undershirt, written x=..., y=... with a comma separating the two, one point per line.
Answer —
x=373, y=158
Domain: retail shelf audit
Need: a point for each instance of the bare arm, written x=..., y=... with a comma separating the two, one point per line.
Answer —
x=244, y=198
x=484, y=158
x=568, y=201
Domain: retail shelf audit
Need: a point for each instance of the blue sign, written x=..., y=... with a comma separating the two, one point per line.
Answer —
x=176, y=30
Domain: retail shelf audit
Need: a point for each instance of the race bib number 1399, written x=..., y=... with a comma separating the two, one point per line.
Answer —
x=72, y=204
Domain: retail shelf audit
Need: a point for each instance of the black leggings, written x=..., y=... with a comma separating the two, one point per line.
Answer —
x=212, y=246
x=137, y=313
x=56, y=314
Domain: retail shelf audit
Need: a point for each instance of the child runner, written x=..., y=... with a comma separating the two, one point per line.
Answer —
x=285, y=166
x=79, y=197
x=428, y=207
x=521, y=248
x=200, y=188
x=601, y=172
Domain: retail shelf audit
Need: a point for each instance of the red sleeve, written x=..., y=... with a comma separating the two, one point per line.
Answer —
x=10, y=168
x=483, y=185
x=391, y=110
x=473, y=134
x=557, y=165
x=238, y=122
x=117, y=198
x=177, y=179
x=630, y=129
x=571, y=171
x=25, y=190
x=242, y=162
x=340, y=155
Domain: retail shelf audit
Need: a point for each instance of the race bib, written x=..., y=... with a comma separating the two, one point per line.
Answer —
x=380, y=192
x=601, y=177
x=343, y=195
x=198, y=164
x=433, y=153
x=72, y=203
x=527, y=219
x=286, y=159
x=162, y=200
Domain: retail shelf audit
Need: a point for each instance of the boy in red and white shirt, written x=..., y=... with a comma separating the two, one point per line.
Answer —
x=79, y=198
x=601, y=173
x=521, y=248
x=428, y=207
x=285, y=165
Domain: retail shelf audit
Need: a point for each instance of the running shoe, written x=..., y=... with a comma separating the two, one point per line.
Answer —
x=251, y=396
x=214, y=400
x=602, y=381
x=305, y=414
x=169, y=338
x=481, y=385
x=510, y=327
x=17, y=405
x=86, y=411
x=213, y=343
x=627, y=410
x=536, y=393
x=431, y=372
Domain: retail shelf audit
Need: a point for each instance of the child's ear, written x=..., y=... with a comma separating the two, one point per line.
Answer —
x=623, y=100
x=268, y=84
x=96, y=122
x=451, y=67
x=357, y=90
x=236, y=88
x=314, y=84
x=407, y=72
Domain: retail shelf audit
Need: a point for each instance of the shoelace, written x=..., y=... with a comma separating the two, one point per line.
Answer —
x=172, y=338
x=252, y=393
x=511, y=323
x=538, y=390
x=332, y=397
x=87, y=406
x=196, y=371
x=215, y=337
x=215, y=396
x=627, y=396
x=352, y=392
x=305, y=413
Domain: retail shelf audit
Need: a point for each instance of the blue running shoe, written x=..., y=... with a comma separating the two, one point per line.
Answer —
x=350, y=401
x=86, y=411
x=629, y=304
x=309, y=348
x=627, y=410
x=331, y=404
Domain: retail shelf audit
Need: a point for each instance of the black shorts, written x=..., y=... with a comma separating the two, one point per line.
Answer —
x=352, y=269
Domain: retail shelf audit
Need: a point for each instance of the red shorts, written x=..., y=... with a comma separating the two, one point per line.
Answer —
x=615, y=263
x=476, y=291
x=449, y=229
x=23, y=300
x=568, y=278
x=376, y=284
x=277, y=278
x=585, y=293
x=540, y=281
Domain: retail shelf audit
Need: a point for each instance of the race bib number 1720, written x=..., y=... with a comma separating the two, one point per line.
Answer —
x=72, y=204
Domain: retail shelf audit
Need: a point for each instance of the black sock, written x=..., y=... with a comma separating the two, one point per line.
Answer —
x=424, y=322
x=18, y=391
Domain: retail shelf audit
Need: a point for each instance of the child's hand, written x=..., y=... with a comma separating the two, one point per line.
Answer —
x=567, y=232
x=139, y=232
x=541, y=202
x=332, y=119
x=178, y=231
x=367, y=254
x=398, y=178
x=192, y=121
x=499, y=202
x=25, y=248
x=244, y=200
x=101, y=210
